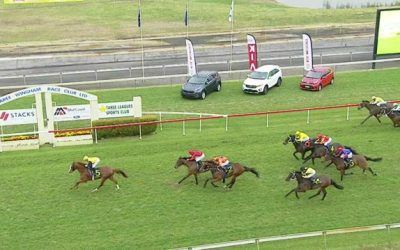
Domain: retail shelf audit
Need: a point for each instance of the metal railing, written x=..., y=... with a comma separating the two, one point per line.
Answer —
x=324, y=234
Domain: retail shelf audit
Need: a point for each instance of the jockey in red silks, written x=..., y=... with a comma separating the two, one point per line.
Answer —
x=323, y=139
x=198, y=156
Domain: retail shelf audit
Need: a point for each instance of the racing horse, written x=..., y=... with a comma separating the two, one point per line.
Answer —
x=192, y=168
x=305, y=184
x=374, y=110
x=237, y=169
x=394, y=116
x=358, y=160
x=105, y=173
x=299, y=147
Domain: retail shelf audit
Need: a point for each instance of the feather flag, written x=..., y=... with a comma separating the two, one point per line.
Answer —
x=230, y=17
x=139, y=18
x=307, y=52
x=186, y=18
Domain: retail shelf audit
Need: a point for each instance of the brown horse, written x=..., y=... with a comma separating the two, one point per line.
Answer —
x=192, y=168
x=305, y=184
x=394, y=116
x=358, y=160
x=217, y=174
x=105, y=173
x=374, y=110
x=299, y=147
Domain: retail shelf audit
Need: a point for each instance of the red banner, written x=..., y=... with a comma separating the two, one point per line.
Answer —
x=252, y=52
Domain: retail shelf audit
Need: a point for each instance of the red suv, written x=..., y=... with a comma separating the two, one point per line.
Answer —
x=317, y=78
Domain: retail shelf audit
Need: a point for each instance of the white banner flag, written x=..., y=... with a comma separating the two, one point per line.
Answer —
x=191, y=61
x=17, y=116
x=307, y=52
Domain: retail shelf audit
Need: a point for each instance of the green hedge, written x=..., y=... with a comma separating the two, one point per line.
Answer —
x=125, y=131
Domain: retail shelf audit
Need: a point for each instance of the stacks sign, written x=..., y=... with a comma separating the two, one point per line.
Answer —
x=190, y=58
x=307, y=52
x=252, y=52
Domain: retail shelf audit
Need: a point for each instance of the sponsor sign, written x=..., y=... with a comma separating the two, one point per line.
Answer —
x=307, y=52
x=252, y=52
x=71, y=113
x=47, y=89
x=116, y=109
x=191, y=61
x=17, y=116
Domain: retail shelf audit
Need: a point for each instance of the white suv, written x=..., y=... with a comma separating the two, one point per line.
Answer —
x=262, y=79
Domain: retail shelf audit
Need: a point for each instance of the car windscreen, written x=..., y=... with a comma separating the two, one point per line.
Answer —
x=314, y=74
x=258, y=75
x=197, y=80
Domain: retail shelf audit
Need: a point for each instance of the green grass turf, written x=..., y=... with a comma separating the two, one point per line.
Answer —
x=151, y=211
x=103, y=20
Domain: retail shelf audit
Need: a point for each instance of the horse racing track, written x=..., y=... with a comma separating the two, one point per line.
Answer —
x=152, y=211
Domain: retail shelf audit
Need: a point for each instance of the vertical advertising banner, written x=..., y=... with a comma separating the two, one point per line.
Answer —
x=252, y=52
x=191, y=61
x=307, y=52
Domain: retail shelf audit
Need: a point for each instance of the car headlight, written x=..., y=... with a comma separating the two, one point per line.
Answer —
x=198, y=89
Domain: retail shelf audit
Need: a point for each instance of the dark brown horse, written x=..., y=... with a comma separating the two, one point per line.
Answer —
x=374, y=110
x=360, y=161
x=192, y=168
x=217, y=174
x=394, y=116
x=305, y=184
x=105, y=173
x=299, y=147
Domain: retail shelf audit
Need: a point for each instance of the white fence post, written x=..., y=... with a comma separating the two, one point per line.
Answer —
x=95, y=135
x=226, y=123
x=348, y=113
x=183, y=127
x=200, y=123
x=308, y=116
x=267, y=120
x=160, y=122
x=140, y=131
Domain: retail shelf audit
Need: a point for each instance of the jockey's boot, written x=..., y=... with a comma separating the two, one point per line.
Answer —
x=199, y=165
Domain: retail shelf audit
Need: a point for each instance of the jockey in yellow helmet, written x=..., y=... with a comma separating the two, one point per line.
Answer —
x=301, y=136
x=310, y=174
x=378, y=101
x=92, y=164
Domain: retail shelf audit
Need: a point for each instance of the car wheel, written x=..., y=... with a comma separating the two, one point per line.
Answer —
x=279, y=82
x=332, y=81
x=219, y=87
x=320, y=87
x=265, y=90
x=203, y=95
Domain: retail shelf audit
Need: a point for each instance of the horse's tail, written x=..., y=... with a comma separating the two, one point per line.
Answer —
x=119, y=171
x=352, y=150
x=372, y=159
x=336, y=185
x=247, y=169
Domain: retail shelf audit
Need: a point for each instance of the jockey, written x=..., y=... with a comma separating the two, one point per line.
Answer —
x=378, y=101
x=92, y=164
x=345, y=154
x=198, y=156
x=396, y=107
x=323, y=139
x=310, y=174
x=223, y=163
x=301, y=137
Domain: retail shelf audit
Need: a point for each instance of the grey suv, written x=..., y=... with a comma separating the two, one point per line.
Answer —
x=201, y=84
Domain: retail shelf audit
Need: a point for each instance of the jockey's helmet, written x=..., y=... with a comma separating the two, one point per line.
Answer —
x=303, y=168
x=319, y=136
x=85, y=158
x=339, y=150
x=298, y=132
